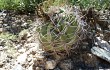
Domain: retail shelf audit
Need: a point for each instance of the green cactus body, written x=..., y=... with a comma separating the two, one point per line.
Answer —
x=54, y=37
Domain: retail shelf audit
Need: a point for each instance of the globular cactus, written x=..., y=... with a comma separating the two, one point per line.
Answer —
x=59, y=33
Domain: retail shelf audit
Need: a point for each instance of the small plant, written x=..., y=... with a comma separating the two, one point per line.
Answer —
x=98, y=4
x=19, y=5
x=7, y=36
x=7, y=39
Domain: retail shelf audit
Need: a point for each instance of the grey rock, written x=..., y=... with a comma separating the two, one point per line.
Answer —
x=101, y=53
x=103, y=44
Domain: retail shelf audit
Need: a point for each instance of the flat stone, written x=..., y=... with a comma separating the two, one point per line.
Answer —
x=102, y=53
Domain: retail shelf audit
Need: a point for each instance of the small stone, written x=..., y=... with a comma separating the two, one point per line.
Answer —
x=22, y=50
x=30, y=68
x=22, y=58
x=31, y=62
x=38, y=68
x=109, y=27
x=1, y=64
x=50, y=64
x=96, y=43
x=1, y=21
x=18, y=67
x=29, y=59
x=1, y=48
x=1, y=30
x=109, y=41
x=24, y=24
x=39, y=56
x=18, y=46
x=33, y=46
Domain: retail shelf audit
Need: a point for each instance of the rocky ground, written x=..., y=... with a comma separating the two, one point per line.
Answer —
x=20, y=48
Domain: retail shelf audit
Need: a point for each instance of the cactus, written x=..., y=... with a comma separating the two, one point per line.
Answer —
x=59, y=33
